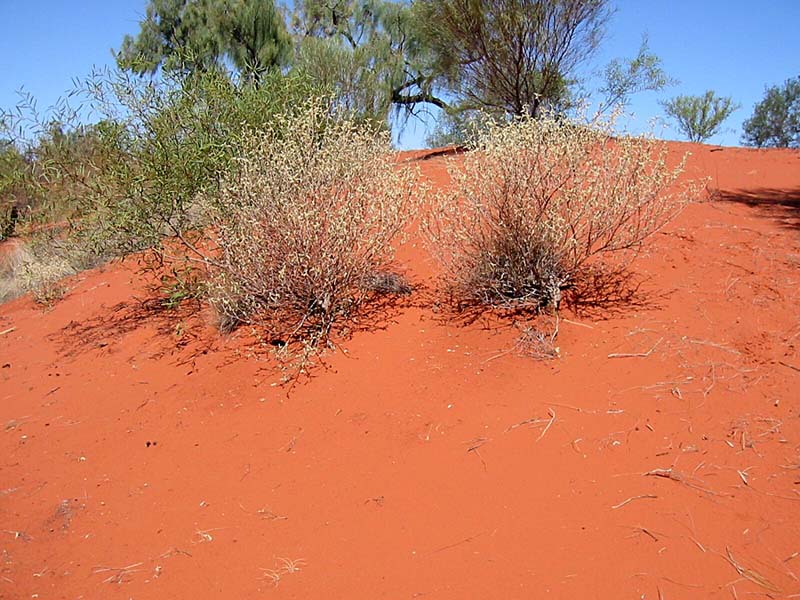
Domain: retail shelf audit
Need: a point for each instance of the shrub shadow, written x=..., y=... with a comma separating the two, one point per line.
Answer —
x=181, y=331
x=179, y=327
x=602, y=294
x=779, y=204
x=597, y=294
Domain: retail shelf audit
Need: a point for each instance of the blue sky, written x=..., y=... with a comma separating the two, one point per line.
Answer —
x=734, y=47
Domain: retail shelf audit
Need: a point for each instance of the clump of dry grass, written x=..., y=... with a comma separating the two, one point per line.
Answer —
x=306, y=227
x=9, y=284
x=538, y=344
x=537, y=202
x=24, y=270
x=39, y=265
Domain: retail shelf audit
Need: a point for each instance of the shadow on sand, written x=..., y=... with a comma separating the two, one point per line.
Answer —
x=781, y=205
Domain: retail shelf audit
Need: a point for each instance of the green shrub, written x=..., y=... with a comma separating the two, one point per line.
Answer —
x=135, y=178
x=164, y=145
x=13, y=171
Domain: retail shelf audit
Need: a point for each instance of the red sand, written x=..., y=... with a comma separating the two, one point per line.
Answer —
x=144, y=456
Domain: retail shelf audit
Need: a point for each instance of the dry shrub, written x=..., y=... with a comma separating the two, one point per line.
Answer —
x=538, y=343
x=306, y=226
x=26, y=269
x=39, y=264
x=537, y=202
x=10, y=287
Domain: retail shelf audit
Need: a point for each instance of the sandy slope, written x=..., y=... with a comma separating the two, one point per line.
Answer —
x=143, y=456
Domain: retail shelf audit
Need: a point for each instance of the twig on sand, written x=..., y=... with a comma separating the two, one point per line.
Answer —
x=474, y=446
x=204, y=535
x=172, y=551
x=576, y=323
x=18, y=535
x=636, y=354
x=710, y=387
x=288, y=566
x=9, y=330
x=680, y=478
x=743, y=476
x=645, y=531
x=575, y=408
x=118, y=573
x=552, y=414
x=632, y=498
x=785, y=364
x=453, y=545
x=265, y=513
x=534, y=421
x=713, y=345
x=500, y=355
x=749, y=574
x=699, y=545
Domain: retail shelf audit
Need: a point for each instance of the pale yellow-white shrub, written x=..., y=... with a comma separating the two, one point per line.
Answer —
x=307, y=226
x=538, y=206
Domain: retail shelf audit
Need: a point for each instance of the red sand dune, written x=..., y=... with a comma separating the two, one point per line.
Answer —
x=146, y=456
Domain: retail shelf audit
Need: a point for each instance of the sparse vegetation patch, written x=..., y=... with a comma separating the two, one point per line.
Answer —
x=539, y=206
x=306, y=226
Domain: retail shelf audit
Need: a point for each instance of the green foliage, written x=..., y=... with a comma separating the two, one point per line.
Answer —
x=514, y=56
x=368, y=53
x=160, y=148
x=9, y=215
x=347, y=73
x=776, y=119
x=461, y=128
x=49, y=165
x=13, y=170
x=254, y=36
x=625, y=77
x=195, y=35
x=178, y=284
x=699, y=117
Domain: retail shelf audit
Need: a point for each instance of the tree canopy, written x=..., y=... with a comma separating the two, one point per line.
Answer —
x=776, y=119
x=699, y=117
x=512, y=56
x=376, y=57
x=369, y=52
x=203, y=34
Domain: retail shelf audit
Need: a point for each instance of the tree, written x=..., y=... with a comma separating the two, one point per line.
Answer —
x=699, y=117
x=776, y=119
x=202, y=34
x=369, y=53
x=630, y=76
x=512, y=56
x=255, y=37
